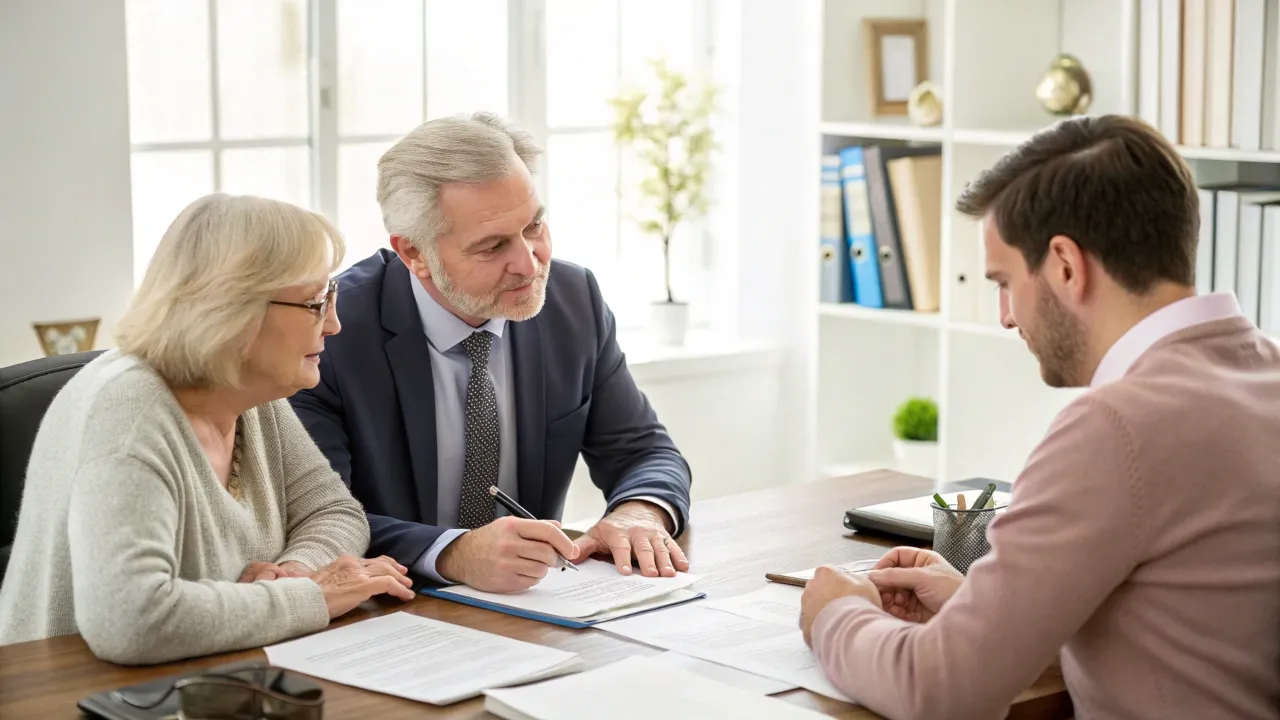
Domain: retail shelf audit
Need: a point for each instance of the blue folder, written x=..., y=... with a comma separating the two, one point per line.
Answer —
x=542, y=617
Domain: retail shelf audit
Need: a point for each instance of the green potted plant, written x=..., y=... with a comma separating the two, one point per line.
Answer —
x=915, y=437
x=668, y=127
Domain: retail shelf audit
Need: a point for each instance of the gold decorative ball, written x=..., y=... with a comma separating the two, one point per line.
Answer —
x=1065, y=88
x=924, y=105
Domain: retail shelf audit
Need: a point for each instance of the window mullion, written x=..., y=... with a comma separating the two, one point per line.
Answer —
x=426, y=74
x=527, y=77
x=215, y=99
x=324, y=106
x=618, y=252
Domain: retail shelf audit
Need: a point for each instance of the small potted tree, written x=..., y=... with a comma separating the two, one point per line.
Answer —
x=669, y=129
x=915, y=437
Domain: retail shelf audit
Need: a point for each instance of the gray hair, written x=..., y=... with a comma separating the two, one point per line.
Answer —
x=472, y=150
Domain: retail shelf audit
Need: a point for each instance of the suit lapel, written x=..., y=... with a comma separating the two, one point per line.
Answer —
x=531, y=408
x=410, y=361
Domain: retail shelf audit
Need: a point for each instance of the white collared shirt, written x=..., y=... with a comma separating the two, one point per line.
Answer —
x=1167, y=320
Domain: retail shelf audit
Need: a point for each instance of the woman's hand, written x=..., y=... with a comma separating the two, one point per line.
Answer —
x=254, y=572
x=349, y=581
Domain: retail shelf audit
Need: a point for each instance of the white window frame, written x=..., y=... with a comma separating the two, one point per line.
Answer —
x=217, y=143
x=526, y=98
x=323, y=138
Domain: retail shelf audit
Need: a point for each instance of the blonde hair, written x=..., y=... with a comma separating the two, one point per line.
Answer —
x=470, y=149
x=205, y=292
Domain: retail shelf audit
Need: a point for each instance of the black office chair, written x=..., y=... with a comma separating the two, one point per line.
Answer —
x=26, y=389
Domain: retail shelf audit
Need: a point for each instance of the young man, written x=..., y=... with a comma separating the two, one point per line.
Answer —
x=1143, y=538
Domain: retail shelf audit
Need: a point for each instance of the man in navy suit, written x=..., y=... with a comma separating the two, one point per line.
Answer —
x=469, y=358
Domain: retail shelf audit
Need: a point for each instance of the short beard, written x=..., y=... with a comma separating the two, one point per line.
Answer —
x=488, y=307
x=1058, y=341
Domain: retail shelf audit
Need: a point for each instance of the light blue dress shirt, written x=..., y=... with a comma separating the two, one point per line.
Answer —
x=450, y=370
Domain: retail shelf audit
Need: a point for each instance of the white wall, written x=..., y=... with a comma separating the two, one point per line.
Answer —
x=65, y=219
x=776, y=47
x=721, y=412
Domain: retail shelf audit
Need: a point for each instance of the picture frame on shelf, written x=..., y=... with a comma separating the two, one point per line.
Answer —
x=66, y=336
x=897, y=61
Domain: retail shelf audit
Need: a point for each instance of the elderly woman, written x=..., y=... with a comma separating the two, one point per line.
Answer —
x=174, y=506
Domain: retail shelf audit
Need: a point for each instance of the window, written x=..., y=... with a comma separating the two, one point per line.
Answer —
x=218, y=101
x=594, y=48
x=297, y=99
x=400, y=62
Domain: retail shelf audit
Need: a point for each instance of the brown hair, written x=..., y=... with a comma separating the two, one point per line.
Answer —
x=1113, y=184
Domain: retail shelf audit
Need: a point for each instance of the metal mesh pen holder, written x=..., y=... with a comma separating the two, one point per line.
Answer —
x=960, y=536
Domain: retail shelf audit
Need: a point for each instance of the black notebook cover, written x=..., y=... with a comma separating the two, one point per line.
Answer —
x=913, y=519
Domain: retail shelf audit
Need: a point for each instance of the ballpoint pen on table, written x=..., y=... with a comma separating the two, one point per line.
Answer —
x=514, y=508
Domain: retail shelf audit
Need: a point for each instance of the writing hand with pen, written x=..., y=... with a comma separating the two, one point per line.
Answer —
x=513, y=553
x=509, y=554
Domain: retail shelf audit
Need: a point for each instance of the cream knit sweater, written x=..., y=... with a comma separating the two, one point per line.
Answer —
x=126, y=536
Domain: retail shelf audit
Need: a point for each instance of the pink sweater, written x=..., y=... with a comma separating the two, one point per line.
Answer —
x=1142, y=541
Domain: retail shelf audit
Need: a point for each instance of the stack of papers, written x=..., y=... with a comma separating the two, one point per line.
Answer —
x=750, y=633
x=420, y=659
x=611, y=691
x=752, y=683
x=773, y=603
x=596, y=593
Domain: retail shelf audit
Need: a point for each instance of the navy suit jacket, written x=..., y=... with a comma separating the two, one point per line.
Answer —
x=373, y=411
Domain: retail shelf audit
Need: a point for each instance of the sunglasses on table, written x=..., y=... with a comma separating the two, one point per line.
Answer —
x=252, y=692
x=319, y=307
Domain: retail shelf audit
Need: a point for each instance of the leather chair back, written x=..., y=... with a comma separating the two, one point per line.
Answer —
x=26, y=390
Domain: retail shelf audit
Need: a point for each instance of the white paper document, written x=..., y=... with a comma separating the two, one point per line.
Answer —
x=756, y=646
x=594, y=591
x=856, y=567
x=612, y=692
x=773, y=603
x=420, y=659
x=741, y=679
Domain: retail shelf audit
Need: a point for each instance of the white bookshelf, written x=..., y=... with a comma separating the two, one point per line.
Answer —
x=987, y=56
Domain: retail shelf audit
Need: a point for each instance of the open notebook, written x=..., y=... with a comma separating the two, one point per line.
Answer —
x=580, y=599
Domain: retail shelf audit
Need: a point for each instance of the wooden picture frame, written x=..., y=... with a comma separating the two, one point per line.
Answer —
x=897, y=61
x=66, y=336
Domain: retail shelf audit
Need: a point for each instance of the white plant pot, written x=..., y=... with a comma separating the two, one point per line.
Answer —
x=916, y=457
x=670, y=322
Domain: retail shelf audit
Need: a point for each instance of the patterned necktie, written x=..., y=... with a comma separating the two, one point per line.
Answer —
x=481, y=468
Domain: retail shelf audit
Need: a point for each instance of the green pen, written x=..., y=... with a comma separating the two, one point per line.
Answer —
x=941, y=503
x=987, y=494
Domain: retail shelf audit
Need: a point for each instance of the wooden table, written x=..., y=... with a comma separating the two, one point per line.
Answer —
x=731, y=542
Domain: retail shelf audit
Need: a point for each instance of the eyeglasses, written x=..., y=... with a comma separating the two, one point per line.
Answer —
x=261, y=692
x=321, y=306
